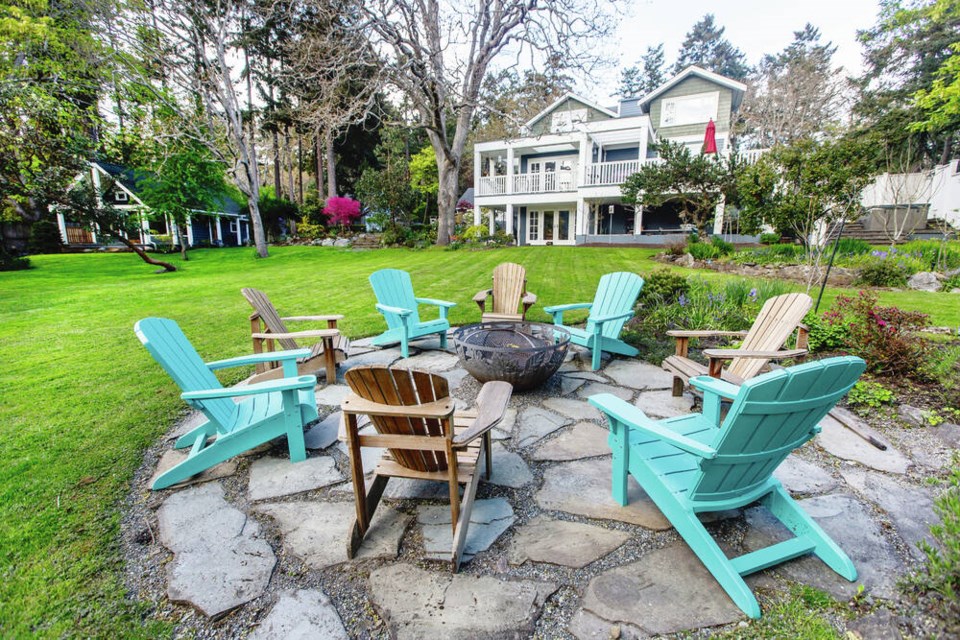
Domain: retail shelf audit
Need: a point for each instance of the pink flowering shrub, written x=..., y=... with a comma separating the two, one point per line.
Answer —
x=342, y=211
x=886, y=337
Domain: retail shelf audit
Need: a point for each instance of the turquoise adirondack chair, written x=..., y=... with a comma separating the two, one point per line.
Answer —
x=611, y=308
x=395, y=300
x=276, y=408
x=694, y=463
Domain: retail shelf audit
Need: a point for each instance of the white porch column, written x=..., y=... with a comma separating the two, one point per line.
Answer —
x=718, y=216
x=62, y=223
x=584, y=162
x=144, y=227
x=189, y=231
x=638, y=219
x=239, y=237
x=476, y=173
x=476, y=214
x=492, y=221
x=509, y=169
x=218, y=230
x=580, y=222
x=509, y=215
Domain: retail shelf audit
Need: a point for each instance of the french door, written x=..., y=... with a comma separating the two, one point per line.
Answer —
x=550, y=226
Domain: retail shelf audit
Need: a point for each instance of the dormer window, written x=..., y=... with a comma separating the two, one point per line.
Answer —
x=565, y=120
x=121, y=196
x=693, y=109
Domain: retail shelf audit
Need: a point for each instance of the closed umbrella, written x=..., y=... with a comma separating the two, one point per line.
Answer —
x=710, y=139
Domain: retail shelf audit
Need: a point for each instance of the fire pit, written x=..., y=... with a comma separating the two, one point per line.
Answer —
x=524, y=354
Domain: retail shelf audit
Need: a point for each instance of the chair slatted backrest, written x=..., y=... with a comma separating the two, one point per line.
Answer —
x=772, y=415
x=509, y=285
x=269, y=316
x=171, y=349
x=775, y=323
x=406, y=388
x=393, y=288
x=617, y=293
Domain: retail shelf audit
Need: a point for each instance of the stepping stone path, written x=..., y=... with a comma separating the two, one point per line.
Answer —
x=220, y=559
x=548, y=553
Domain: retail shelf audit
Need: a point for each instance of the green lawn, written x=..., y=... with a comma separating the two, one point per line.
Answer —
x=81, y=399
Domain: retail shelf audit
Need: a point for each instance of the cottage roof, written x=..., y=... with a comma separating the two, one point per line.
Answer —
x=738, y=88
x=561, y=100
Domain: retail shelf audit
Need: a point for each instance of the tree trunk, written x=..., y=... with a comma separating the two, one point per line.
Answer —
x=446, y=200
x=276, y=164
x=167, y=267
x=331, y=166
x=299, y=168
x=289, y=163
x=318, y=151
x=945, y=153
x=182, y=230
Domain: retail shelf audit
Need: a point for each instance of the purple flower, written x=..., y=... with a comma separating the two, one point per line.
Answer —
x=753, y=293
x=682, y=300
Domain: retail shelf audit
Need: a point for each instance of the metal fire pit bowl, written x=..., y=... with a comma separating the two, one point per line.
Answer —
x=524, y=354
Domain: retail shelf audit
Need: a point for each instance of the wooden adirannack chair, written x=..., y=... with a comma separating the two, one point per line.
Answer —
x=267, y=327
x=398, y=304
x=508, y=292
x=413, y=414
x=273, y=409
x=779, y=317
x=694, y=463
x=612, y=306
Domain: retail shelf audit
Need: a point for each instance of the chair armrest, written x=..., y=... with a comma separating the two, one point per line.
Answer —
x=436, y=303
x=634, y=418
x=482, y=295
x=314, y=333
x=601, y=319
x=439, y=409
x=716, y=386
x=492, y=404
x=284, y=384
x=333, y=317
x=529, y=298
x=568, y=307
x=681, y=333
x=256, y=358
x=400, y=311
x=730, y=354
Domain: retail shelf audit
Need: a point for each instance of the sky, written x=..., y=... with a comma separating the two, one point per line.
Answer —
x=756, y=27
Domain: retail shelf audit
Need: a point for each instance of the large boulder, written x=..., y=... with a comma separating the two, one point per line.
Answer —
x=924, y=281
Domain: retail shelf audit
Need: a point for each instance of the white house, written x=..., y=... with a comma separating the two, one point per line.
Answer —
x=560, y=183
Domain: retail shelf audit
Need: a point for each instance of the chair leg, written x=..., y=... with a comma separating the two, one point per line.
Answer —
x=443, y=339
x=463, y=521
x=404, y=348
x=187, y=439
x=294, y=427
x=677, y=386
x=800, y=523
x=621, y=460
x=222, y=449
x=366, y=503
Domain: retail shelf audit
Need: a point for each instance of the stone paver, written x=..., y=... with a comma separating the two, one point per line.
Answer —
x=301, y=615
x=332, y=395
x=276, y=477
x=455, y=378
x=435, y=361
x=504, y=430
x=324, y=433
x=535, y=423
x=420, y=604
x=575, y=409
x=667, y=591
x=173, y=457
x=582, y=440
x=595, y=388
x=571, y=544
x=662, y=404
x=636, y=374
x=844, y=443
x=910, y=507
x=568, y=385
x=509, y=469
x=318, y=532
x=583, y=375
x=488, y=520
x=583, y=487
x=378, y=357
x=849, y=523
x=801, y=477
x=220, y=559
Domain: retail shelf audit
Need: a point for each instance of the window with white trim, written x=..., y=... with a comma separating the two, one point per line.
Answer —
x=694, y=109
x=233, y=226
x=120, y=196
x=533, y=222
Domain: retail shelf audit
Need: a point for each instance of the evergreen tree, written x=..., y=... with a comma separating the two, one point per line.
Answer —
x=706, y=47
x=641, y=79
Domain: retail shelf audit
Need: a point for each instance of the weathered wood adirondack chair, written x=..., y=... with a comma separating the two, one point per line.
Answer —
x=694, y=463
x=275, y=408
x=779, y=317
x=509, y=290
x=395, y=300
x=267, y=327
x=413, y=414
x=611, y=308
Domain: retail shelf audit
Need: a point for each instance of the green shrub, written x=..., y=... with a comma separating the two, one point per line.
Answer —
x=933, y=255
x=870, y=394
x=951, y=283
x=310, y=231
x=722, y=246
x=824, y=335
x=703, y=251
x=663, y=286
x=883, y=273
x=45, y=237
x=769, y=238
x=772, y=254
x=853, y=246
x=11, y=262
x=475, y=233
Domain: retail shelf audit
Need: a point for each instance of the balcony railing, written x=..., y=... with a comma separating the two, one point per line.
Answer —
x=602, y=173
x=492, y=186
x=544, y=182
x=750, y=156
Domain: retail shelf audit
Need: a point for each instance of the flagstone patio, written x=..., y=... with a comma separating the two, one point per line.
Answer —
x=258, y=545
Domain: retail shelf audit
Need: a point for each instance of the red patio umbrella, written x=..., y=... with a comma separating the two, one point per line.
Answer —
x=710, y=139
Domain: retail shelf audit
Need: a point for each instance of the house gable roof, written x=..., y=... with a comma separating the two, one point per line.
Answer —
x=567, y=96
x=738, y=88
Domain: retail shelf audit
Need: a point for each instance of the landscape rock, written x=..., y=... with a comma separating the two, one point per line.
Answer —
x=220, y=559
x=582, y=440
x=342, y=242
x=582, y=487
x=318, y=532
x=328, y=242
x=301, y=615
x=667, y=591
x=686, y=260
x=637, y=374
x=924, y=281
x=878, y=625
x=575, y=409
x=435, y=361
x=276, y=477
x=509, y=469
x=913, y=416
x=380, y=357
x=534, y=423
x=173, y=457
x=801, y=477
x=571, y=544
x=418, y=604
x=948, y=433
x=504, y=430
x=488, y=520
x=662, y=404
x=569, y=384
x=844, y=443
x=324, y=433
